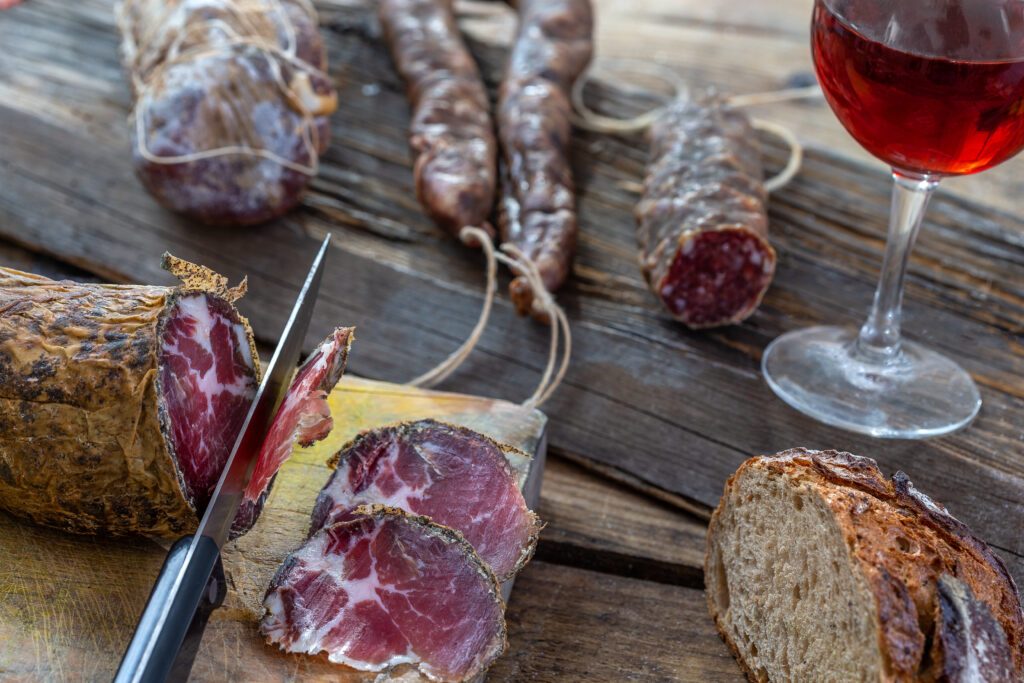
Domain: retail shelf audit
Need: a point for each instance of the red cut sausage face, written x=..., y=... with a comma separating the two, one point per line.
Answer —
x=702, y=221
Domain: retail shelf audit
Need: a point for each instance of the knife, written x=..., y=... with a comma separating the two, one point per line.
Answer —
x=191, y=582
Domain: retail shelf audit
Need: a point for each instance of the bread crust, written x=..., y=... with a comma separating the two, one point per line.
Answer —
x=903, y=543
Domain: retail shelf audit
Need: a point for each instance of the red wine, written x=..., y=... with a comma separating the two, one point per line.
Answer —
x=928, y=86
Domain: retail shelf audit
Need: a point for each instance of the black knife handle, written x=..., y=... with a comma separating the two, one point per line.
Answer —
x=172, y=645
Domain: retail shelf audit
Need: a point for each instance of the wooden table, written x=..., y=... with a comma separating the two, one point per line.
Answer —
x=651, y=419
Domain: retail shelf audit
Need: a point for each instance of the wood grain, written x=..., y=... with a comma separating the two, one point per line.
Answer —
x=649, y=632
x=666, y=408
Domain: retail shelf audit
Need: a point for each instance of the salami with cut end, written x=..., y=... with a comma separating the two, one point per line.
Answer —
x=303, y=417
x=384, y=589
x=119, y=404
x=231, y=99
x=451, y=133
x=702, y=222
x=455, y=476
x=538, y=207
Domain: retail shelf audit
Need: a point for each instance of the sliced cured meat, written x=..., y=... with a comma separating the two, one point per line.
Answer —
x=119, y=404
x=207, y=384
x=303, y=417
x=702, y=222
x=455, y=476
x=231, y=99
x=384, y=589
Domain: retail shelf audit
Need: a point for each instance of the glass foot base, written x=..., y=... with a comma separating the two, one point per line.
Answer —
x=918, y=394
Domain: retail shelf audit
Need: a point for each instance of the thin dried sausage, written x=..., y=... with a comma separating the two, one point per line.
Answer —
x=702, y=222
x=451, y=133
x=538, y=209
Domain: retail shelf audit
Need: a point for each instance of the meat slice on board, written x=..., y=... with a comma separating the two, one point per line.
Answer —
x=304, y=417
x=120, y=403
x=702, y=222
x=387, y=589
x=455, y=476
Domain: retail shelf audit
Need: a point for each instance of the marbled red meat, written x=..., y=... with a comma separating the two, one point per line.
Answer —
x=455, y=476
x=303, y=416
x=384, y=589
x=208, y=384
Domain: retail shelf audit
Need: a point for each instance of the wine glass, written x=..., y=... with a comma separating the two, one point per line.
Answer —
x=934, y=88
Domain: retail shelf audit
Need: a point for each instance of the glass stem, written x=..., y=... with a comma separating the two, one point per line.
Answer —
x=879, y=338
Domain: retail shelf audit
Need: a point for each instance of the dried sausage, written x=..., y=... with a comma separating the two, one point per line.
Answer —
x=702, y=222
x=119, y=404
x=451, y=133
x=538, y=208
x=231, y=100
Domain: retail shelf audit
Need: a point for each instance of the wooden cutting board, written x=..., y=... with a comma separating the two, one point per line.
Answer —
x=68, y=604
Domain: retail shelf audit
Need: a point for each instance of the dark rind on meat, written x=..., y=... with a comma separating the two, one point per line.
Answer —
x=553, y=47
x=969, y=644
x=704, y=174
x=155, y=504
x=451, y=132
x=403, y=430
x=861, y=473
x=445, y=534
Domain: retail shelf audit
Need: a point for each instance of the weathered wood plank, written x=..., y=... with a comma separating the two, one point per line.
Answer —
x=596, y=525
x=648, y=632
x=667, y=408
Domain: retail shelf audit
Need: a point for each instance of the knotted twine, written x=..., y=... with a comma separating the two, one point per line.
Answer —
x=560, y=333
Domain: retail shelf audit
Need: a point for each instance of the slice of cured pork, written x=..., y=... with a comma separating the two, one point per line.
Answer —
x=304, y=417
x=456, y=476
x=388, y=588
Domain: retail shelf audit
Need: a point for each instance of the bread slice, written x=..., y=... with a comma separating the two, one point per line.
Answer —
x=820, y=569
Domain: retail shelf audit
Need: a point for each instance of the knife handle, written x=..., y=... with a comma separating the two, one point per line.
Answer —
x=163, y=649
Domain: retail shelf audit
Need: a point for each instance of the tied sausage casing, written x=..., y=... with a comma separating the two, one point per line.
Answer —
x=702, y=222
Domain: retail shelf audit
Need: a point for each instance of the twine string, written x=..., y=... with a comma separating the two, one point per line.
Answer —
x=560, y=333
x=586, y=118
x=298, y=92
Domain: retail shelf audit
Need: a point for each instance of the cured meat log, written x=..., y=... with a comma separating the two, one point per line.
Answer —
x=538, y=209
x=451, y=132
x=455, y=476
x=702, y=222
x=384, y=589
x=303, y=417
x=119, y=404
x=231, y=99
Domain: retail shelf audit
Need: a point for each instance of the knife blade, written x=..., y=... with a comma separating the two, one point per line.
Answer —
x=191, y=581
